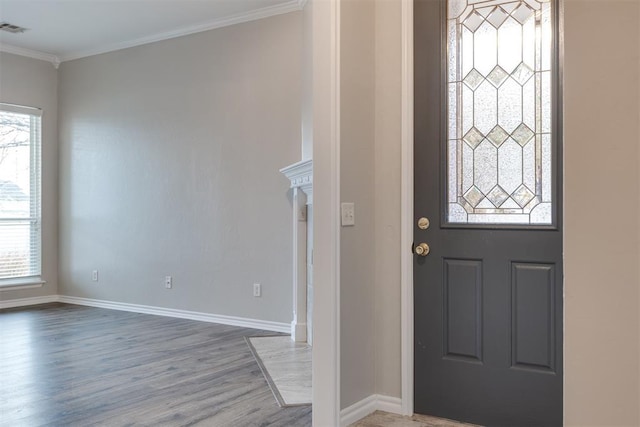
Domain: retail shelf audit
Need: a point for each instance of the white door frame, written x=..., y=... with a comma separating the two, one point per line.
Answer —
x=326, y=227
x=406, y=210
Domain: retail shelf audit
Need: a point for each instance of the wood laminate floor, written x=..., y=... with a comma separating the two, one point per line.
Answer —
x=67, y=365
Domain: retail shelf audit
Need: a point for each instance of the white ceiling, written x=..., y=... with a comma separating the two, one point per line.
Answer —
x=61, y=30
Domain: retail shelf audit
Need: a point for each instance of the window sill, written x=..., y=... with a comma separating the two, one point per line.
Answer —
x=25, y=283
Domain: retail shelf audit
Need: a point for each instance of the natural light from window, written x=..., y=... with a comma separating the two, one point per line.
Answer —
x=20, y=219
x=500, y=166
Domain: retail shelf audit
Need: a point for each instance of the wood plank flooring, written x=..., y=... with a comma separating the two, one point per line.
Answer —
x=67, y=365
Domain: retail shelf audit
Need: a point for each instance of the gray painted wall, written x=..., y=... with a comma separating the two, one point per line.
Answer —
x=370, y=177
x=602, y=239
x=357, y=243
x=34, y=83
x=387, y=197
x=169, y=157
x=307, y=82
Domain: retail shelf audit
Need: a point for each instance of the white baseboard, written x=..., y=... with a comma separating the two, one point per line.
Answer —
x=358, y=410
x=368, y=405
x=24, y=302
x=298, y=331
x=146, y=309
x=389, y=404
x=181, y=314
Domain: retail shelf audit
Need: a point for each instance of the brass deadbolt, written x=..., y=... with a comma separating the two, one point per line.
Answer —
x=423, y=223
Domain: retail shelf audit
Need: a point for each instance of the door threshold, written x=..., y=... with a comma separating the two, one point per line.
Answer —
x=381, y=418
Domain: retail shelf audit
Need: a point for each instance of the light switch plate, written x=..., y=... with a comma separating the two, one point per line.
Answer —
x=348, y=214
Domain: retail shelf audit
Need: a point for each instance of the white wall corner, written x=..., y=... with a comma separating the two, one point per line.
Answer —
x=369, y=405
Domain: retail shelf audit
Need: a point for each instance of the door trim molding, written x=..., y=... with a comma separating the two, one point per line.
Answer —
x=326, y=225
x=406, y=212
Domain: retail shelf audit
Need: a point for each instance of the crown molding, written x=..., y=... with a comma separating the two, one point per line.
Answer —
x=265, y=12
x=30, y=54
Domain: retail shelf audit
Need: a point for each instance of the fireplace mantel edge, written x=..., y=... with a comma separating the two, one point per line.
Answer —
x=301, y=176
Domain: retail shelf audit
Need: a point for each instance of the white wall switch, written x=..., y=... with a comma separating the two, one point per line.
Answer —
x=168, y=282
x=257, y=289
x=348, y=214
x=94, y=275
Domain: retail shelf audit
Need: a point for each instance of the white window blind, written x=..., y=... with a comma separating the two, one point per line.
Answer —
x=20, y=197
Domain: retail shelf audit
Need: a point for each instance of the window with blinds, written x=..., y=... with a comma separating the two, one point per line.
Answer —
x=20, y=218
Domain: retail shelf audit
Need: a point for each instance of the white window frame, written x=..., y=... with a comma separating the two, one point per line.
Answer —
x=34, y=278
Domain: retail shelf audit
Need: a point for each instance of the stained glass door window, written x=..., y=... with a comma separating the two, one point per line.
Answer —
x=499, y=144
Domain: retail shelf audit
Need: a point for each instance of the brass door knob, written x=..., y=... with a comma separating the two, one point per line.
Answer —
x=422, y=249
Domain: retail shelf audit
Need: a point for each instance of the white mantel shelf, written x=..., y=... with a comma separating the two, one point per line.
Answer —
x=301, y=176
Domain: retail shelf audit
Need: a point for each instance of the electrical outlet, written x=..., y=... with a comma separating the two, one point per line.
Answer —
x=94, y=275
x=257, y=290
x=168, y=282
x=348, y=214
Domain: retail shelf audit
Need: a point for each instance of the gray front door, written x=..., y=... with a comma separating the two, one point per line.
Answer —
x=488, y=262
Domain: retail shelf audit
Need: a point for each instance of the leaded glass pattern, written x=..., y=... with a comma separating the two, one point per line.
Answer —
x=499, y=112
